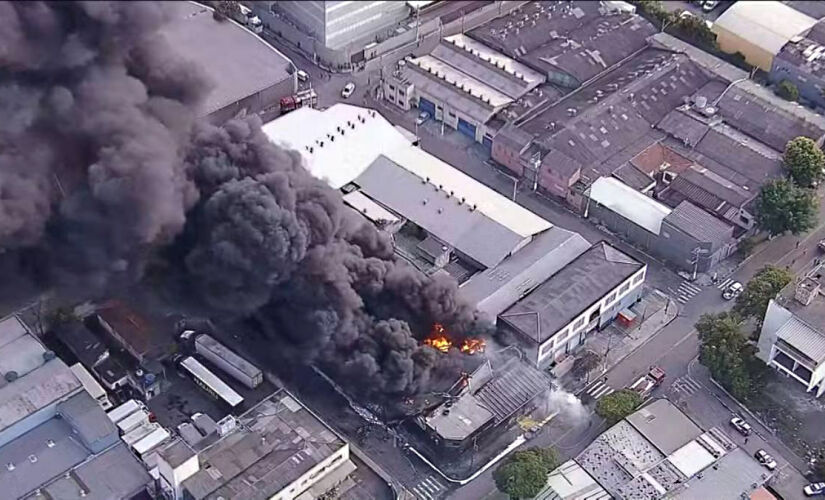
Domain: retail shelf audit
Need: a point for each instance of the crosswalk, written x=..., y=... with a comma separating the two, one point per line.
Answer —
x=685, y=386
x=724, y=284
x=598, y=389
x=429, y=488
x=686, y=291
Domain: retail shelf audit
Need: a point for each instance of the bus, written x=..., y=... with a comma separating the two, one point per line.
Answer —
x=210, y=382
x=92, y=386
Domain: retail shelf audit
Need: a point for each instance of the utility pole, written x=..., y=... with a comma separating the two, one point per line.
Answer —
x=695, y=253
x=515, y=187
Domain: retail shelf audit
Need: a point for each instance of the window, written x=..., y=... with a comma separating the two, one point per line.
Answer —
x=639, y=277
x=611, y=298
x=392, y=87
x=579, y=323
x=624, y=288
x=594, y=315
x=546, y=348
x=452, y=115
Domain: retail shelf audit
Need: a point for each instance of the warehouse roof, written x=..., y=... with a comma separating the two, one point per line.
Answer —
x=84, y=344
x=629, y=203
x=805, y=53
x=734, y=475
x=497, y=288
x=571, y=291
x=277, y=442
x=238, y=62
x=767, y=25
x=735, y=151
x=803, y=337
x=699, y=224
x=633, y=177
x=664, y=425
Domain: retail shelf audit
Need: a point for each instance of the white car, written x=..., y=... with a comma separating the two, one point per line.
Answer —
x=765, y=459
x=348, y=90
x=741, y=426
x=814, y=489
x=422, y=118
x=709, y=5
x=732, y=291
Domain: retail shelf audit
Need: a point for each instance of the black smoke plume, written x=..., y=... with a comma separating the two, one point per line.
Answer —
x=103, y=161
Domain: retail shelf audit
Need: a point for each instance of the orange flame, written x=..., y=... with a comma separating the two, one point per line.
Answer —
x=443, y=344
x=473, y=345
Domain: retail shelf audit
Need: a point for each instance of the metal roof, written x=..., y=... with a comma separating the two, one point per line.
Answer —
x=89, y=423
x=735, y=475
x=767, y=25
x=629, y=203
x=369, y=209
x=568, y=293
x=684, y=127
x=497, y=288
x=11, y=328
x=803, y=337
x=664, y=425
x=237, y=62
x=739, y=153
x=462, y=418
x=633, y=177
x=440, y=213
x=699, y=224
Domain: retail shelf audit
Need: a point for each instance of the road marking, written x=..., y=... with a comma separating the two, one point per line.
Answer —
x=724, y=284
x=685, y=291
x=429, y=488
x=599, y=389
x=686, y=385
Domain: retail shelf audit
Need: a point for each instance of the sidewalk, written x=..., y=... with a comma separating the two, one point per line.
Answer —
x=656, y=310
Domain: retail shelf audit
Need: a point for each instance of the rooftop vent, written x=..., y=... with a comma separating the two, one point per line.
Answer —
x=33, y=458
x=50, y=443
x=10, y=376
x=10, y=467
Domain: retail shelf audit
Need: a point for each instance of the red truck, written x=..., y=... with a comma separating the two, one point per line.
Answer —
x=303, y=98
x=645, y=385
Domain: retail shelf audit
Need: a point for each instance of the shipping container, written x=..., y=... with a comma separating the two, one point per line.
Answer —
x=139, y=432
x=233, y=365
x=211, y=383
x=133, y=421
x=151, y=441
x=124, y=410
x=92, y=386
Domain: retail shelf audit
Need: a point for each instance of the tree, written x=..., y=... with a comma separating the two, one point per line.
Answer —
x=781, y=207
x=618, y=405
x=586, y=363
x=524, y=475
x=727, y=354
x=804, y=161
x=746, y=246
x=764, y=286
x=787, y=90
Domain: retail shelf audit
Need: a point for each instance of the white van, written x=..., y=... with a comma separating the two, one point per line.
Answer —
x=302, y=75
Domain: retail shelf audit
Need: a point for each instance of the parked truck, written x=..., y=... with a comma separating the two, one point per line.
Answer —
x=306, y=97
x=241, y=14
x=645, y=385
x=230, y=363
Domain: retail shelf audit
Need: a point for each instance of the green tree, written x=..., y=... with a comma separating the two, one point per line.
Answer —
x=787, y=90
x=524, y=474
x=729, y=357
x=586, y=363
x=781, y=207
x=804, y=162
x=764, y=286
x=618, y=405
x=746, y=246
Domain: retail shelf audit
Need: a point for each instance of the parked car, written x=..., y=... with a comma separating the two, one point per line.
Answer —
x=821, y=245
x=422, y=118
x=302, y=75
x=732, y=291
x=349, y=88
x=741, y=426
x=814, y=489
x=764, y=458
x=709, y=5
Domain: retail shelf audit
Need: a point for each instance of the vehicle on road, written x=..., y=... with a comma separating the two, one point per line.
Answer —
x=821, y=244
x=764, y=458
x=348, y=89
x=303, y=98
x=814, y=489
x=709, y=5
x=302, y=75
x=686, y=14
x=732, y=291
x=645, y=385
x=422, y=118
x=741, y=426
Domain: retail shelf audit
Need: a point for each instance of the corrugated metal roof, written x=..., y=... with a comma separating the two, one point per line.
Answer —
x=803, y=337
x=699, y=224
x=629, y=203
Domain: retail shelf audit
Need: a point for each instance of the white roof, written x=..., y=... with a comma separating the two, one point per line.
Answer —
x=10, y=329
x=629, y=203
x=123, y=411
x=569, y=480
x=691, y=458
x=341, y=161
x=768, y=25
x=368, y=208
x=40, y=388
x=148, y=443
x=497, y=58
x=461, y=80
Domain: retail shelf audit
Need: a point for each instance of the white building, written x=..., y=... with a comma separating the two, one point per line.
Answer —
x=794, y=342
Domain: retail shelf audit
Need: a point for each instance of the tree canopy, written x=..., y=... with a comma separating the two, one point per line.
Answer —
x=585, y=363
x=782, y=206
x=618, y=405
x=804, y=162
x=728, y=355
x=524, y=474
x=764, y=286
x=787, y=90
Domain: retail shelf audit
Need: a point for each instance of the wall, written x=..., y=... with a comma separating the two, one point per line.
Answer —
x=480, y=16
x=810, y=86
x=555, y=183
x=265, y=99
x=312, y=476
x=628, y=230
x=731, y=43
x=504, y=154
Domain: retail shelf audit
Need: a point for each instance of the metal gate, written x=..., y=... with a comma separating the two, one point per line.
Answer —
x=487, y=143
x=428, y=106
x=467, y=128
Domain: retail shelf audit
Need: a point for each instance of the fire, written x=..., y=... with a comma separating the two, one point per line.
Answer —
x=438, y=339
x=472, y=345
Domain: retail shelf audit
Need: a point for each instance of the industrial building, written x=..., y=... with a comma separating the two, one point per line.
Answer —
x=55, y=440
x=246, y=74
x=658, y=452
x=588, y=293
x=442, y=220
x=759, y=30
x=292, y=454
x=800, y=62
x=792, y=339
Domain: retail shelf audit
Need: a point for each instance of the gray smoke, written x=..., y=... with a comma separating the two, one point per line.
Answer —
x=103, y=162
